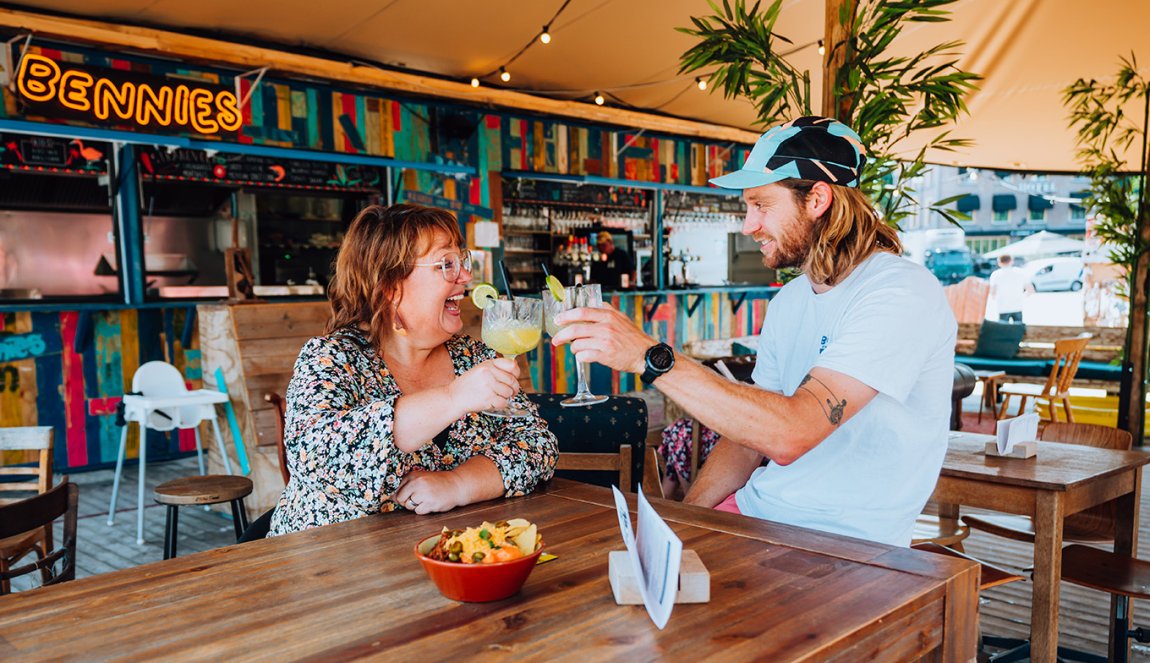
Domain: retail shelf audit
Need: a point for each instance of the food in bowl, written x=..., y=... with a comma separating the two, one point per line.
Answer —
x=489, y=543
x=485, y=563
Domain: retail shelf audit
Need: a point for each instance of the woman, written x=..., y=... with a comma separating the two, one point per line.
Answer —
x=383, y=411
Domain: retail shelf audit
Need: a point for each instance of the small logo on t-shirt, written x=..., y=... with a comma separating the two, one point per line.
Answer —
x=822, y=344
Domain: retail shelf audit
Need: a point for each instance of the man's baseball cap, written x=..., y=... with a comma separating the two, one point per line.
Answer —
x=809, y=148
x=604, y=236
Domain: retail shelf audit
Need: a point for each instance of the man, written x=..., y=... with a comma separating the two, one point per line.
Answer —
x=614, y=267
x=856, y=357
x=1008, y=287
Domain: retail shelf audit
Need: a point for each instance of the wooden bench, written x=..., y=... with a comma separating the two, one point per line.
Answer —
x=1097, y=368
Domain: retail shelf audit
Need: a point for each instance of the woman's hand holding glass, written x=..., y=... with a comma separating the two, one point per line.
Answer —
x=488, y=385
x=512, y=327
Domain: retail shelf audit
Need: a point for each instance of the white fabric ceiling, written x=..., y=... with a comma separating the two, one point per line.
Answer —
x=1028, y=50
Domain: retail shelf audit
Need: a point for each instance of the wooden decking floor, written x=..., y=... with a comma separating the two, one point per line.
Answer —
x=101, y=548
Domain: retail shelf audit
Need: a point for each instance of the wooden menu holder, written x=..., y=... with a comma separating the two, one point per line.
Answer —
x=694, y=579
x=1022, y=450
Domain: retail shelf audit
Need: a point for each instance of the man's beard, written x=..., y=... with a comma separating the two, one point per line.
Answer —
x=793, y=247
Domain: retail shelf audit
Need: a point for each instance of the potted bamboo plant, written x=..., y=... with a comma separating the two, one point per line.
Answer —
x=1111, y=119
x=885, y=98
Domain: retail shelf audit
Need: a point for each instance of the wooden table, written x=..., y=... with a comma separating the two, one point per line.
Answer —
x=989, y=380
x=355, y=590
x=1062, y=479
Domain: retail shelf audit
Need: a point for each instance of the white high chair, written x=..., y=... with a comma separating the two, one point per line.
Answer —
x=164, y=404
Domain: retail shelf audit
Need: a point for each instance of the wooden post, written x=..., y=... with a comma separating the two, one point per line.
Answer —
x=1132, y=392
x=835, y=40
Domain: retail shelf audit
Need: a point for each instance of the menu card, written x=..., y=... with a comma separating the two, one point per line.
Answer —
x=655, y=553
x=1018, y=429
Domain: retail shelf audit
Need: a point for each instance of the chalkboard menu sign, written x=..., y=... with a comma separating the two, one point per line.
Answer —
x=594, y=195
x=52, y=154
x=252, y=170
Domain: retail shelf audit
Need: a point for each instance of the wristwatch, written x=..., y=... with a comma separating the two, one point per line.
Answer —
x=660, y=358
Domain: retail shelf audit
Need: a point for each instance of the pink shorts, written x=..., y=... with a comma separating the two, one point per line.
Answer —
x=729, y=505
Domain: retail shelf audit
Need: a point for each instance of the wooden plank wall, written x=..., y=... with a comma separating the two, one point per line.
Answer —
x=256, y=345
x=68, y=370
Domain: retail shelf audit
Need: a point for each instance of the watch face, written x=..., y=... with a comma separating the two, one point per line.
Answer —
x=661, y=357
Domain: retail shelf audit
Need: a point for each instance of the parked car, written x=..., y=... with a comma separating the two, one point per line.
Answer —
x=949, y=265
x=1048, y=274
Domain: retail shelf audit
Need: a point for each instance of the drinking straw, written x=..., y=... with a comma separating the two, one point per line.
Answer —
x=506, y=280
x=543, y=264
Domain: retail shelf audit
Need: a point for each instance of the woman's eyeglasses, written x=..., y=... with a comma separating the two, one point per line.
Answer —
x=450, y=265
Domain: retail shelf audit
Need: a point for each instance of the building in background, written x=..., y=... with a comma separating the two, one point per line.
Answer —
x=1004, y=206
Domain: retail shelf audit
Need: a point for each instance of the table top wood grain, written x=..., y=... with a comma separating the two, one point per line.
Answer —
x=1057, y=466
x=355, y=590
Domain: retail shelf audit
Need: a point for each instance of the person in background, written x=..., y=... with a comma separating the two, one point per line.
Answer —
x=383, y=410
x=855, y=365
x=1008, y=287
x=614, y=268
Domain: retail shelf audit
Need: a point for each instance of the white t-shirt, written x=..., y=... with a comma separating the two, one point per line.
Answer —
x=1009, y=285
x=889, y=326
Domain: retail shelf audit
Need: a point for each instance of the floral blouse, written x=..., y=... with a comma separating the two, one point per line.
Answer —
x=338, y=433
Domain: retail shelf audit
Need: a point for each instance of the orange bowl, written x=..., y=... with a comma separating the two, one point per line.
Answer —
x=476, y=583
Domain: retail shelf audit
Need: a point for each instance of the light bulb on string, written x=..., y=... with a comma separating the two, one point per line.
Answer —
x=504, y=75
x=545, y=36
x=599, y=99
x=474, y=82
x=701, y=82
x=822, y=49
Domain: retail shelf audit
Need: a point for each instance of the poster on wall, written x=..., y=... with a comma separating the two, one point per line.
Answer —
x=116, y=98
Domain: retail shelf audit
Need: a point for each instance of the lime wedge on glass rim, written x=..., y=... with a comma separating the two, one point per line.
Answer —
x=556, y=288
x=483, y=294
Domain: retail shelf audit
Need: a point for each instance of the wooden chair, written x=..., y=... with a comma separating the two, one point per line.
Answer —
x=38, y=513
x=1094, y=525
x=603, y=443
x=280, y=406
x=940, y=531
x=202, y=490
x=991, y=575
x=1123, y=577
x=1067, y=354
x=20, y=482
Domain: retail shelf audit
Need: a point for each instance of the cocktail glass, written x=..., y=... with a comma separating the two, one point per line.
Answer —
x=577, y=296
x=512, y=327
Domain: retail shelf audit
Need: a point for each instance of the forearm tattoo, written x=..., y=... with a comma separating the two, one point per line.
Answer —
x=832, y=405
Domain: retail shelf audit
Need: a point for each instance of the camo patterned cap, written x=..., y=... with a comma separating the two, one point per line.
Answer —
x=809, y=148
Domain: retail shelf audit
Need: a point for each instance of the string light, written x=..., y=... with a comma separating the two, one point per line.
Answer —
x=474, y=82
x=545, y=36
x=599, y=99
x=701, y=82
x=822, y=49
x=504, y=75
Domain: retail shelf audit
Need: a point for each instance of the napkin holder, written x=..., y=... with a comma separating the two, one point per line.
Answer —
x=1028, y=449
x=694, y=579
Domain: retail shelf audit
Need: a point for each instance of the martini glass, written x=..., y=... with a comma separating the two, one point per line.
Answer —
x=576, y=296
x=512, y=327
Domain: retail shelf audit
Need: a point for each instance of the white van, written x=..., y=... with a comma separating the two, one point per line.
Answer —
x=1047, y=274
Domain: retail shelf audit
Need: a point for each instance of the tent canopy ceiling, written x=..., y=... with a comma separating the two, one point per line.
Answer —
x=1027, y=50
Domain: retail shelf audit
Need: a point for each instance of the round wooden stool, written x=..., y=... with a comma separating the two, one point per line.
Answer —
x=209, y=489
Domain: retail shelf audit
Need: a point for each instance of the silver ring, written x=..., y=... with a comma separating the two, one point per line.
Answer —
x=412, y=502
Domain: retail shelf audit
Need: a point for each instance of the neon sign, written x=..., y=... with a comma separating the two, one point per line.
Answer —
x=114, y=97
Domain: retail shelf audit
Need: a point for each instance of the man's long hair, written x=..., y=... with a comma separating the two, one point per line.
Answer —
x=845, y=235
x=377, y=254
